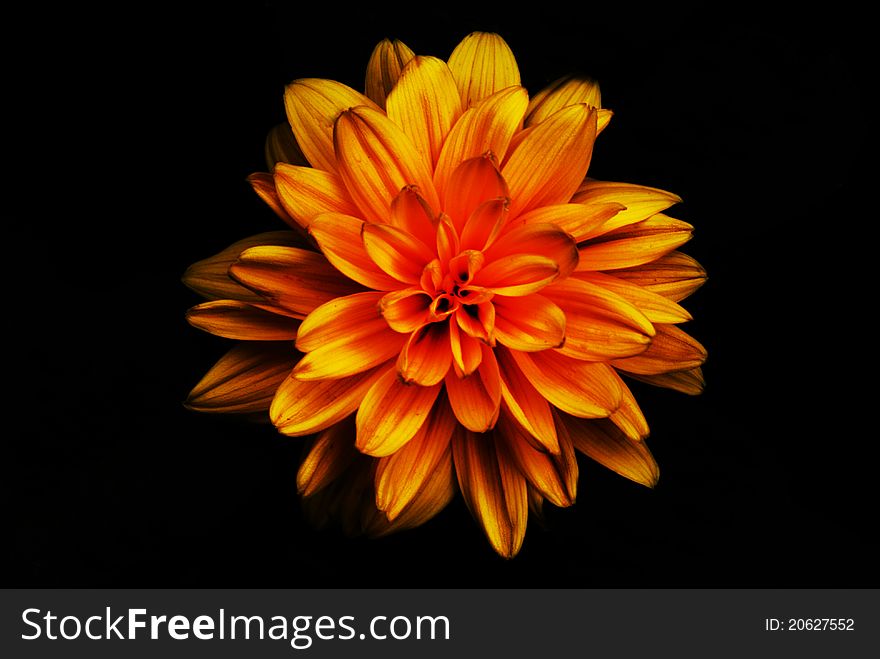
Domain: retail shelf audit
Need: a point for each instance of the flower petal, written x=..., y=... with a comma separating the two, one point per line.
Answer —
x=634, y=244
x=290, y=277
x=264, y=185
x=542, y=239
x=466, y=351
x=410, y=212
x=244, y=380
x=339, y=319
x=547, y=165
x=400, y=476
x=579, y=220
x=473, y=182
x=477, y=321
x=641, y=202
x=305, y=193
x=242, y=321
x=312, y=106
x=672, y=349
x=493, y=490
x=518, y=274
x=339, y=237
x=392, y=413
x=210, y=277
x=528, y=323
x=559, y=94
x=525, y=404
x=405, y=310
x=629, y=417
x=484, y=224
x=427, y=355
x=281, y=147
x=398, y=253
x=484, y=129
x=690, y=382
x=584, y=389
x=301, y=407
x=674, y=276
x=383, y=70
x=364, y=348
x=656, y=308
x=476, y=398
x=482, y=64
x=425, y=104
x=329, y=456
x=606, y=444
x=377, y=160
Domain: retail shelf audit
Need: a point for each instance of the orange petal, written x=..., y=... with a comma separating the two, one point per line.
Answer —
x=493, y=489
x=301, y=407
x=425, y=104
x=554, y=476
x=377, y=160
x=579, y=220
x=484, y=224
x=329, y=456
x=518, y=274
x=672, y=349
x=656, y=308
x=383, y=69
x=392, y=413
x=674, y=276
x=482, y=64
x=629, y=417
x=606, y=444
x=363, y=348
x=528, y=323
x=398, y=253
x=559, y=94
x=634, y=244
x=584, y=389
x=477, y=321
x=485, y=128
x=690, y=382
x=410, y=212
x=339, y=237
x=641, y=202
x=244, y=380
x=400, y=476
x=541, y=239
x=210, y=277
x=405, y=310
x=474, y=182
x=426, y=357
x=312, y=106
x=264, y=185
x=466, y=351
x=475, y=398
x=525, y=404
x=281, y=147
x=290, y=277
x=549, y=164
x=239, y=320
x=339, y=319
x=305, y=193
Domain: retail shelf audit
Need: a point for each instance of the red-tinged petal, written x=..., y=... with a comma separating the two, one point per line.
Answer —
x=365, y=347
x=641, y=202
x=525, y=404
x=432, y=275
x=210, y=277
x=581, y=221
x=474, y=182
x=634, y=244
x=599, y=324
x=312, y=106
x=464, y=267
x=606, y=444
x=690, y=382
x=406, y=310
x=554, y=476
x=477, y=321
x=339, y=319
x=376, y=160
x=656, y=308
x=400, y=477
x=329, y=456
x=289, y=277
x=495, y=493
x=528, y=323
x=584, y=389
x=518, y=274
x=305, y=193
x=549, y=164
x=410, y=212
x=425, y=104
x=629, y=417
x=281, y=146
x=466, y=351
x=484, y=224
x=302, y=407
x=396, y=252
x=242, y=321
x=540, y=239
x=672, y=349
x=475, y=398
x=482, y=64
x=392, y=413
x=485, y=128
x=383, y=69
x=675, y=276
x=244, y=380
x=559, y=94
x=427, y=355
x=448, y=245
x=339, y=237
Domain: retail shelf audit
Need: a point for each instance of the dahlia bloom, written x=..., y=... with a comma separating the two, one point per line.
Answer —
x=455, y=305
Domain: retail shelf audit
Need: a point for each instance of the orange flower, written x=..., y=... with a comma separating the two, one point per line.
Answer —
x=462, y=299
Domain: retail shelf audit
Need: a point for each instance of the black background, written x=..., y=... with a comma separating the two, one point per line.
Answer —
x=138, y=132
